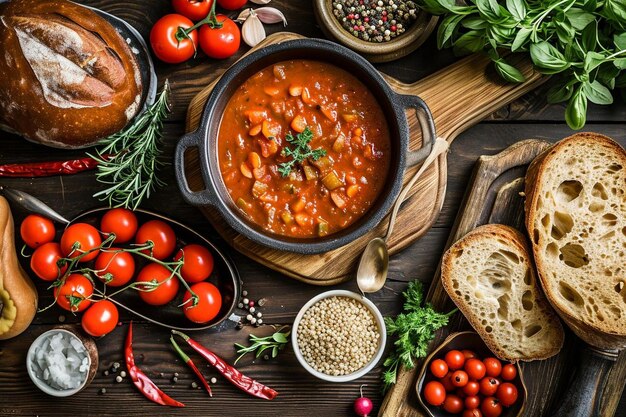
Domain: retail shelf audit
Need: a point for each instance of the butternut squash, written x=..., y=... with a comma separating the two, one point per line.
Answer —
x=18, y=295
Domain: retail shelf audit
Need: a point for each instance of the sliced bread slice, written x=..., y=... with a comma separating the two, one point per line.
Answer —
x=490, y=276
x=576, y=219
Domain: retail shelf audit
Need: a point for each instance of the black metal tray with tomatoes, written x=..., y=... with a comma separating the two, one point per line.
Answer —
x=148, y=267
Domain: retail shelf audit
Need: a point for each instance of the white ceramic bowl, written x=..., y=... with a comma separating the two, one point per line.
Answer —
x=381, y=341
x=30, y=357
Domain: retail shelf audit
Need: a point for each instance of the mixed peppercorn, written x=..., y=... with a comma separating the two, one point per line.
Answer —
x=375, y=20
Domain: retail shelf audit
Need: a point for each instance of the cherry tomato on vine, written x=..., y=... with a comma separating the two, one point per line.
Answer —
x=489, y=386
x=115, y=267
x=509, y=372
x=455, y=359
x=192, y=9
x=37, y=230
x=459, y=379
x=80, y=238
x=434, y=393
x=439, y=368
x=232, y=4
x=100, y=319
x=197, y=263
x=453, y=404
x=472, y=413
x=209, y=303
x=121, y=222
x=166, y=43
x=221, y=42
x=491, y=407
x=493, y=367
x=161, y=234
x=472, y=402
x=164, y=292
x=43, y=262
x=475, y=368
x=507, y=394
x=471, y=388
x=73, y=294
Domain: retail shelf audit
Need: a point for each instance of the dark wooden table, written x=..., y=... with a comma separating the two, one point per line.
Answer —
x=300, y=393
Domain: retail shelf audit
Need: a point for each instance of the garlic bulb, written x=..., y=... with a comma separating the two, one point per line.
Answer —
x=252, y=30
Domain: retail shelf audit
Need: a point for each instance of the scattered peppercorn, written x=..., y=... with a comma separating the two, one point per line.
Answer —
x=105, y=373
x=123, y=374
x=252, y=309
x=240, y=305
x=116, y=365
x=259, y=314
x=244, y=293
x=61, y=318
x=252, y=320
x=259, y=322
x=213, y=380
x=251, y=304
x=194, y=384
x=262, y=302
x=174, y=380
x=118, y=379
x=375, y=20
x=266, y=357
x=102, y=391
x=245, y=301
x=176, y=374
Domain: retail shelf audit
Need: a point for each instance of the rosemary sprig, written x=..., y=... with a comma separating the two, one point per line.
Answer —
x=276, y=341
x=129, y=160
x=300, y=151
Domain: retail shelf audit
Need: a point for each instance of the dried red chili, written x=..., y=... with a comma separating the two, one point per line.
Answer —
x=141, y=380
x=192, y=365
x=235, y=377
x=47, y=169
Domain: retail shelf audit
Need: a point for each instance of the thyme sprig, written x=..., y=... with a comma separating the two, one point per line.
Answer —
x=299, y=151
x=276, y=342
x=129, y=161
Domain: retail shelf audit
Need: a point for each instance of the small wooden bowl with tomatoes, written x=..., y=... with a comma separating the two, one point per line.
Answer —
x=462, y=377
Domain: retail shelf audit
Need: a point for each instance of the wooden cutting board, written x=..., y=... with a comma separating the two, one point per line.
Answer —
x=494, y=196
x=459, y=96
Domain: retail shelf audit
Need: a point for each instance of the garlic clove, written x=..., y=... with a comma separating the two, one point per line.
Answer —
x=252, y=30
x=260, y=1
x=270, y=15
x=243, y=15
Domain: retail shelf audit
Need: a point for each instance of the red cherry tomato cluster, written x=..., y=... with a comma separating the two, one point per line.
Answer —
x=175, y=37
x=466, y=385
x=115, y=266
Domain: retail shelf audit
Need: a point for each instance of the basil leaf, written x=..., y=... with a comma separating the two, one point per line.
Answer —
x=489, y=8
x=576, y=111
x=520, y=39
x=615, y=11
x=472, y=41
x=579, y=18
x=446, y=30
x=474, y=23
x=560, y=91
x=607, y=73
x=597, y=93
x=620, y=41
x=547, y=58
x=620, y=63
x=509, y=72
x=590, y=36
x=279, y=337
x=500, y=35
x=620, y=80
x=592, y=60
x=517, y=8
x=590, y=5
x=564, y=31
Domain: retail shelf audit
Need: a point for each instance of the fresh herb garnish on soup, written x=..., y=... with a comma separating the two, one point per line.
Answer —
x=304, y=149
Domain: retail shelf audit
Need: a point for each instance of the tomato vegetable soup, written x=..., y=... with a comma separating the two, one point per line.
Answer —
x=304, y=148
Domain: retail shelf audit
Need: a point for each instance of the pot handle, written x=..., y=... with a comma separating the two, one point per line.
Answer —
x=195, y=198
x=427, y=124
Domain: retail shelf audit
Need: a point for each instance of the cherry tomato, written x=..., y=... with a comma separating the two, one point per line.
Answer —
x=73, y=294
x=44, y=260
x=509, y=372
x=472, y=413
x=209, y=303
x=439, y=368
x=447, y=382
x=197, y=264
x=115, y=267
x=434, y=393
x=120, y=221
x=159, y=233
x=164, y=292
x=459, y=378
x=491, y=407
x=221, y=42
x=507, y=394
x=165, y=43
x=100, y=319
x=472, y=402
x=192, y=9
x=493, y=367
x=232, y=4
x=469, y=354
x=455, y=359
x=489, y=386
x=80, y=238
x=453, y=404
x=475, y=369
x=472, y=388
x=37, y=230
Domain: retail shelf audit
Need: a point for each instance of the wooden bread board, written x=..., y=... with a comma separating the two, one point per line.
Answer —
x=459, y=96
x=494, y=195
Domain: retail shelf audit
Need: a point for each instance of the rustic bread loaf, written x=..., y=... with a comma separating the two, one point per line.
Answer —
x=490, y=276
x=68, y=78
x=576, y=218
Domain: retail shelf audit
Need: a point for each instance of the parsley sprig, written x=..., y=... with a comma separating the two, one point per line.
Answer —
x=414, y=329
x=276, y=342
x=299, y=151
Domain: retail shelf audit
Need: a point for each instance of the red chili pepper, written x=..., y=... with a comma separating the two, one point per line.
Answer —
x=141, y=380
x=48, y=169
x=235, y=377
x=192, y=365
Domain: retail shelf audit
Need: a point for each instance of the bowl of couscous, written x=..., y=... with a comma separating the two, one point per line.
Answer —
x=339, y=336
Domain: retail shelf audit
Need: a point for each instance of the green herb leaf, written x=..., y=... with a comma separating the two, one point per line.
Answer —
x=517, y=8
x=597, y=93
x=547, y=58
x=276, y=341
x=579, y=18
x=575, y=113
x=300, y=151
x=520, y=39
x=509, y=72
x=446, y=30
x=470, y=42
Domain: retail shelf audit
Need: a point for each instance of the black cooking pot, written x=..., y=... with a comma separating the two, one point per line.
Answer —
x=393, y=105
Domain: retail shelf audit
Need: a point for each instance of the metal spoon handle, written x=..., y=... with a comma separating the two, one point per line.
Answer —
x=440, y=146
x=30, y=203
